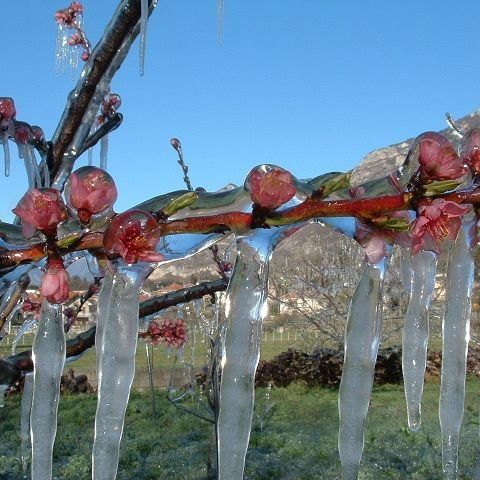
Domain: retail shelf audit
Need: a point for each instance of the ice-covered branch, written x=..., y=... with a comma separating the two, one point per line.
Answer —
x=84, y=101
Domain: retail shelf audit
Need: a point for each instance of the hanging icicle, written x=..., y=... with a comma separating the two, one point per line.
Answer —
x=6, y=151
x=26, y=408
x=361, y=346
x=48, y=359
x=456, y=335
x=415, y=333
x=143, y=33
x=245, y=307
x=104, y=152
x=116, y=346
x=220, y=20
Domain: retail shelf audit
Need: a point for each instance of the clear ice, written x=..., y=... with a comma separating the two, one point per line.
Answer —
x=415, y=333
x=104, y=152
x=143, y=32
x=245, y=308
x=6, y=151
x=220, y=20
x=456, y=335
x=26, y=408
x=361, y=346
x=116, y=346
x=48, y=358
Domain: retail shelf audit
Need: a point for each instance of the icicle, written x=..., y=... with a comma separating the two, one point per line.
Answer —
x=103, y=152
x=149, y=355
x=30, y=151
x=456, y=334
x=415, y=333
x=6, y=152
x=245, y=307
x=61, y=50
x=220, y=19
x=43, y=167
x=143, y=33
x=90, y=156
x=406, y=269
x=117, y=337
x=48, y=359
x=24, y=328
x=361, y=346
x=25, y=422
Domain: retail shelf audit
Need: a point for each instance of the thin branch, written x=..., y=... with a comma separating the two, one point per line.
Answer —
x=13, y=368
x=84, y=101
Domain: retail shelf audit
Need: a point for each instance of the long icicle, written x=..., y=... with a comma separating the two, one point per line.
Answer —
x=6, y=152
x=244, y=310
x=49, y=360
x=362, y=338
x=415, y=333
x=116, y=363
x=456, y=334
x=25, y=422
x=143, y=33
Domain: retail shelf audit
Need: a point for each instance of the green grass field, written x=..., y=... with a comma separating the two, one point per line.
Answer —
x=297, y=441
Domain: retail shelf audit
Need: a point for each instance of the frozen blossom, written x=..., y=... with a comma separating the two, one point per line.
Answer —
x=272, y=188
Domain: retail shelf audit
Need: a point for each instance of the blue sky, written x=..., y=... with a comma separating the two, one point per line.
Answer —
x=309, y=85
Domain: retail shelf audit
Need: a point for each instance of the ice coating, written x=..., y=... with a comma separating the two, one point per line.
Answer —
x=456, y=335
x=220, y=20
x=245, y=308
x=118, y=311
x=26, y=407
x=362, y=337
x=104, y=152
x=415, y=333
x=143, y=33
x=26, y=327
x=49, y=360
x=406, y=269
x=6, y=151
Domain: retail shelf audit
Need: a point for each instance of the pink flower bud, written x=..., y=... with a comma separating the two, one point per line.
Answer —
x=90, y=190
x=76, y=7
x=85, y=56
x=42, y=209
x=7, y=108
x=111, y=104
x=271, y=189
x=38, y=134
x=438, y=159
x=133, y=234
x=175, y=143
x=54, y=285
x=23, y=133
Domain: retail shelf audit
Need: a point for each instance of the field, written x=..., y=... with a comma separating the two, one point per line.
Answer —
x=293, y=438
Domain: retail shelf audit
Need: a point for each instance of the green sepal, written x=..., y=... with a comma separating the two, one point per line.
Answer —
x=180, y=203
x=442, y=186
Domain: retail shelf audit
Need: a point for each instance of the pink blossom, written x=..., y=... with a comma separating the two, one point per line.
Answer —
x=470, y=150
x=67, y=16
x=90, y=190
x=54, y=285
x=437, y=221
x=110, y=104
x=42, y=209
x=173, y=333
x=31, y=307
x=134, y=235
x=375, y=239
x=271, y=189
x=438, y=159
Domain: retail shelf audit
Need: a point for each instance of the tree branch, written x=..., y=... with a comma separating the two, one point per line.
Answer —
x=13, y=368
